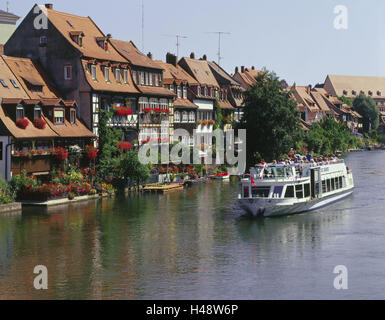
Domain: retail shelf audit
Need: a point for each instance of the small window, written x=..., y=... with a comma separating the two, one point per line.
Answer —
x=2, y=81
x=14, y=83
x=307, y=190
x=146, y=78
x=93, y=72
x=125, y=76
x=156, y=80
x=299, y=191
x=107, y=74
x=328, y=185
x=59, y=116
x=184, y=92
x=184, y=116
x=134, y=76
x=177, y=116
x=37, y=112
x=43, y=40
x=19, y=113
x=73, y=116
x=117, y=75
x=179, y=91
x=205, y=91
x=289, y=192
x=261, y=192
x=340, y=182
x=142, y=78
x=191, y=116
x=150, y=76
x=199, y=91
x=172, y=88
x=332, y=185
x=68, y=72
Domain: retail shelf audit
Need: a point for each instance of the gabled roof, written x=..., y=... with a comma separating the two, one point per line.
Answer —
x=7, y=75
x=31, y=73
x=137, y=58
x=357, y=84
x=113, y=86
x=8, y=14
x=66, y=23
x=200, y=70
x=184, y=103
x=216, y=68
x=176, y=74
x=247, y=77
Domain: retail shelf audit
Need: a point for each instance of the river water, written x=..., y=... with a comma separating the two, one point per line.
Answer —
x=196, y=244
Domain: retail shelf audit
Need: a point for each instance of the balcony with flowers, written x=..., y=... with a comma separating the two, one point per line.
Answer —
x=153, y=111
x=123, y=116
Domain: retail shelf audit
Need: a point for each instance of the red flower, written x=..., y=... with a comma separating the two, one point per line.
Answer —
x=60, y=153
x=22, y=123
x=39, y=123
x=123, y=111
x=125, y=145
x=91, y=152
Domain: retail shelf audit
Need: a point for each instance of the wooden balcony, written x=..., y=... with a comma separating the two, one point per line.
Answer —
x=38, y=164
x=124, y=121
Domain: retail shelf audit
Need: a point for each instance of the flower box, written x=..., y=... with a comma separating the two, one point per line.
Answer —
x=39, y=123
x=22, y=123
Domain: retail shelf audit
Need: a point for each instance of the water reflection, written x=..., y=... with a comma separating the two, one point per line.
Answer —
x=193, y=245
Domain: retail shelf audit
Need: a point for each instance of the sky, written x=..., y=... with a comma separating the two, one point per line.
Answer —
x=296, y=39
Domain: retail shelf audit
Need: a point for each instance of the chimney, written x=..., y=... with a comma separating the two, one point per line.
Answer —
x=243, y=69
x=49, y=5
x=236, y=69
x=204, y=57
x=109, y=36
x=192, y=55
x=252, y=68
x=171, y=59
x=308, y=88
x=149, y=55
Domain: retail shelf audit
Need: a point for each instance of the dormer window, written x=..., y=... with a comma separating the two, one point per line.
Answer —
x=117, y=75
x=93, y=71
x=102, y=42
x=59, y=116
x=156, y=80
x=354, y=92
x=107, y=74
x=212, y=92
x=184, y=92
x=172, y=87
x=125, y=76
x=151, y=82
x=179, y=91
x=370, y=93
x=19, y=112
x=379, y=93
x=199, y=91
x=73, y=116
x=205, y=91
x=142, y=78
x=345, y=92
x=37, y=112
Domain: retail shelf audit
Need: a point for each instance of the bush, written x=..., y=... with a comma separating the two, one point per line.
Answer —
x=6, y=193
x=22, y=182
x=71, y=196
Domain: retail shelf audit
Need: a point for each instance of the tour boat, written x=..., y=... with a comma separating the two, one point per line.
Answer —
x=274, y=189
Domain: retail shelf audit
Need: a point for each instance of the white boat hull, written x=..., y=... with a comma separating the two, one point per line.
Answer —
x=276, y=207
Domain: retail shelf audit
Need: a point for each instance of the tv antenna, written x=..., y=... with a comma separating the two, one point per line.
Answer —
x=7, y=6
x=177, y=36
x=219, y=33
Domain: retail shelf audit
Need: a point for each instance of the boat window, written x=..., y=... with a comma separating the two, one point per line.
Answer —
x=332, y=186
x=277, y=191
x=299, y=191
x=328, y=185
x=336, y=183
x=324, y=186
x=262, y=192
x=289, y=192
x=307, y=190
x=245, y=192
x=279, y=172
x=340, y=182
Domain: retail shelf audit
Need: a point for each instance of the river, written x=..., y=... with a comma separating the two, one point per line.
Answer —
x=196, y=244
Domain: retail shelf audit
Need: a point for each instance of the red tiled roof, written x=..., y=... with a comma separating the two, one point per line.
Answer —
x=184, y=103
x=156, y=91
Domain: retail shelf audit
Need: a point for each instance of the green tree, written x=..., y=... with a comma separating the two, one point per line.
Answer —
x=346, y=100
x=270, y=118
x=108, y=146
x=218, y=116
x=131, y=168
x=367, y=108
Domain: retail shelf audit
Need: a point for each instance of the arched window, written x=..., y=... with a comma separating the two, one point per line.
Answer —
x=143, y=104
x=177, y=116
x=191, y=116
